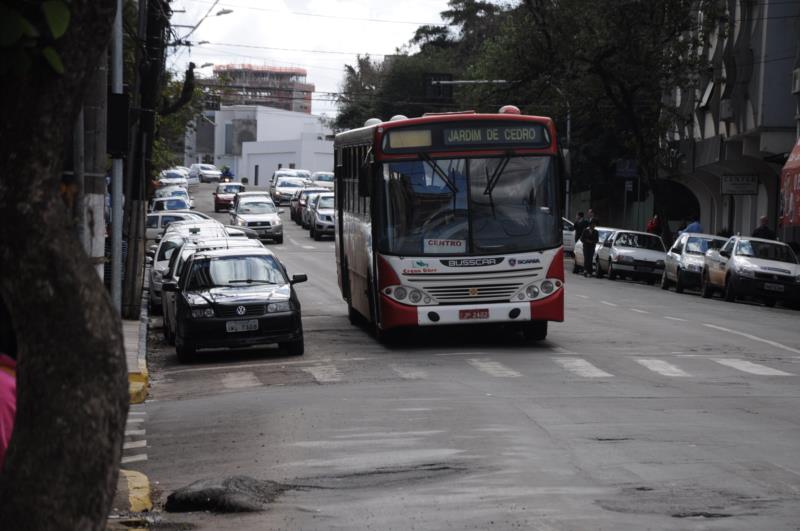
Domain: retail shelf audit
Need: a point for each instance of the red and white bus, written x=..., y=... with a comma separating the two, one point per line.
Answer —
x=451, y=219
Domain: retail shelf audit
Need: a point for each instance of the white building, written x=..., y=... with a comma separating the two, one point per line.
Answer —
x=254, y=141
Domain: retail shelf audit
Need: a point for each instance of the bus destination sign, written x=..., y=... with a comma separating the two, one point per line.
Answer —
x=496, y=135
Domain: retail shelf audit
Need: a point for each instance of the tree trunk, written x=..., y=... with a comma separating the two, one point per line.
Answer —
x=62, y=464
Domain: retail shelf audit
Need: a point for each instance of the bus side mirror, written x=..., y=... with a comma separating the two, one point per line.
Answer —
x=364, y=181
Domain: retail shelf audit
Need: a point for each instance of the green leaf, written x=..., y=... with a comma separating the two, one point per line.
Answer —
x=53, y=58
x=11, y=26
x=28, y=29
x=56, y=13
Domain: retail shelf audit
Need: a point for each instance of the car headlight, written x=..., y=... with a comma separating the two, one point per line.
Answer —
x=277, y=223
x=202, y=312
x=746, y=272
x=624, y=258
x=284, y=306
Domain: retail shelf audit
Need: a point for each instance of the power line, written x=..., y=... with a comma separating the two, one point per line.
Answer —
x=210, y=9
x=258, y=47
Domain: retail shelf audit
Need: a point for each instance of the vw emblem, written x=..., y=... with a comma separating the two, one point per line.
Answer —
x=473, y=292
x=241, y=310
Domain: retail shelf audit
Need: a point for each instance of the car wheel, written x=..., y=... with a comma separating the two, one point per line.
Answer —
x=730, y=291
x=315, y=235
x=611, y=274
x=535, y=331
x=706, y=289
x=664, y=281
x=769, y=303
x=279, y=239
x=294, y=348
x=679, y=282
x=651, y=281
x=184, y=350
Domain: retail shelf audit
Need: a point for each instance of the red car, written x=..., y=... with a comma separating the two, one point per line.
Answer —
x=223, y=196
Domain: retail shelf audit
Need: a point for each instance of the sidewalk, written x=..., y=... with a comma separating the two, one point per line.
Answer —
x=132, y=499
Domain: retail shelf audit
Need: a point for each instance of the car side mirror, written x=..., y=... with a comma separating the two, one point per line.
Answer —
x=213, y=193
x=170, y=286
x=297, y=279
x=726, y=254
x=607, y=243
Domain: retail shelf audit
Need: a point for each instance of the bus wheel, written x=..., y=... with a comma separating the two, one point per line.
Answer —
x=535, y=331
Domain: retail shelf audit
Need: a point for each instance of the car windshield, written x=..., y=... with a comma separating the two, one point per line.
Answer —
x=470, y=206
x=235, y=270
x=324, y=177
x=257, y=207
x=290, y=183
x=229, y=189
x=172, y=175
x=602, y=235
x=177, y=193
x=171, y=204
x=325, y=202
x=166, y=249
x=639, y=241
x=699, y=245
x=766, y=251
x=208, y=167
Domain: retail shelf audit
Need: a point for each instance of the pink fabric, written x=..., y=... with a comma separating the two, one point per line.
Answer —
x=8, y=403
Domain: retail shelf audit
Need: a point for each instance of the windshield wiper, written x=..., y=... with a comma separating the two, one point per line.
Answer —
x=438, y=171
x=249, y=281
x=491, y=181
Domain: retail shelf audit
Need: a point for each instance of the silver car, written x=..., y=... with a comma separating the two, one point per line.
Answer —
x=285, y=187
x=683, y=265
x=261, y=216
x=634, y=254
x=321, y=216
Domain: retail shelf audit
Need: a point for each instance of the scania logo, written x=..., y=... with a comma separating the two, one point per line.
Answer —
x=241, y=310
x=512, y=262
x=472, y=262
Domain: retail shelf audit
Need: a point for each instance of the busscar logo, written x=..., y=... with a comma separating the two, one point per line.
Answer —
x=472, y=262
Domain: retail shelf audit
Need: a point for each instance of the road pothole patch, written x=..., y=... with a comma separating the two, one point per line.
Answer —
x=686, y=502
x=228, y=495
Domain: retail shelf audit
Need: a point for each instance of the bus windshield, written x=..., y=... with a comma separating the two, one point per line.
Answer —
x=474, y=206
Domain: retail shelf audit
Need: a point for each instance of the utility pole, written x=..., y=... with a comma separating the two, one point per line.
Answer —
x=116, y=170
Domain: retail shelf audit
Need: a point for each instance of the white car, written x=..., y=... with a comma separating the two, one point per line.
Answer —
x=172, y=178
x=323, y=179
x=634, y=254
x=161, y=256
x=168, y=203
x=568, y=235
x=158, y=221
x=205, y=173
x=684, y=263
x=260, y=215
x=175, y=191
x=578, y=263
x=752, y=267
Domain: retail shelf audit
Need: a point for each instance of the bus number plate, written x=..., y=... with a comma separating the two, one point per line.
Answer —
x=466, y=315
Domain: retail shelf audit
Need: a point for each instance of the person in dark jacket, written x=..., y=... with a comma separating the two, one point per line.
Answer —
x=589, y=238
x=763, y=230
x=580, y=224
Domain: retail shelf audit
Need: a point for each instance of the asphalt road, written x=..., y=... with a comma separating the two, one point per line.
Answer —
x=645, y=409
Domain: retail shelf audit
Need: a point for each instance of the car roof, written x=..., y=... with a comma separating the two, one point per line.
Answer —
x=762, y=240
x=636, y=232
x=253, y=192
x=223, y=243
x=704, y=235
x=222, y=253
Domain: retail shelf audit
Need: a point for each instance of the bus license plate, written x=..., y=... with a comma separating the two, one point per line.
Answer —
x=773, y=287
x=241, y=326
x=465, y=315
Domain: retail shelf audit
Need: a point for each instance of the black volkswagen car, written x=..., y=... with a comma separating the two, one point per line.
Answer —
x=236, y=298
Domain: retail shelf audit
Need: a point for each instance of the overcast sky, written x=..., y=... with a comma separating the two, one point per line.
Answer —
x=301, y=33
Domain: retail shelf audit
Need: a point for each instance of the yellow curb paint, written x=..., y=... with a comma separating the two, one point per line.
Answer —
x=138, y=391
x=138, y=491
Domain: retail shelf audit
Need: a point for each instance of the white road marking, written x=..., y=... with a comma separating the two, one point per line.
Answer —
x=754, y=338
x=493, y=368
x=137, y=413
x=134, y=458
x=134, y=444
x=581, y=367
x=752, y=368
x=607, y=303
x=263, y=364
x=134, y=421
x=309, y=247
x=324, y=373
x=582, y=296
x=638, y=310
x=409, y=373
x=292, y=241
x=674, y=318
x=662, y=367
x=134, y=432
x=240, y=380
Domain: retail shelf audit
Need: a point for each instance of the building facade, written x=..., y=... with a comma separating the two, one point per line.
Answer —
x=271, y=86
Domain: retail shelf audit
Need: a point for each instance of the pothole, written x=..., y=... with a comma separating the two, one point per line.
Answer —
x=383, y=476
x=701, y=514
x=682, y=502
x=611, y=439
x=227, y=495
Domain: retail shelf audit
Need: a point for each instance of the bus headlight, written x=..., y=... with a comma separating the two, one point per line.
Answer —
x=400, y=293
x=548, y=287
x=409, y=295
x=532, y=291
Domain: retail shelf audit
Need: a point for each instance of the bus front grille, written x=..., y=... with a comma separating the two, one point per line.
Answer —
x=473, y=293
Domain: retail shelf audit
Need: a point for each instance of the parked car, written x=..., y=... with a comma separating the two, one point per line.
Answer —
x=578, y=264
x=168, y=203
x=175, y=191
x=288, y=172
x=284, y=188
x=187, y=248
x=172, y=178
x=235, y=298
x=568, y=235
x=684, y=262
x=324, y=179
x=261, y=216
x=158, y=221
x=298, y=202
x=638, y=255
x=321, y=216
x=205, y=173
x=242, y=196
x=161, y=256
x=223, y=195
x=752, y=267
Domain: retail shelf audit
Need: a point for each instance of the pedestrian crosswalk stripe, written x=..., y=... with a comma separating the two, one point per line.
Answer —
x=581, y=367
x=493, y=368
x=134, y=432
x=324, y=373
x=136, y=420
x=134, y=444
x=409, y=373
x=662, y=367
x=134, y=458
x=240, y=380
x=752, y=368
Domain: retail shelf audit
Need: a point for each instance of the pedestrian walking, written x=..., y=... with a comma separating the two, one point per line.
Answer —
x=763, y=230
x=580, y=224
x=654, y=225
x=589, y=238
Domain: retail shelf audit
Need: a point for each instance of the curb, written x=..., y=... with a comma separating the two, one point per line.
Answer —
x=138, y=382
x=138, y=491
